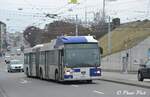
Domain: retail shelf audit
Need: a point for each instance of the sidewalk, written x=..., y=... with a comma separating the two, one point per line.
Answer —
x=125, y=78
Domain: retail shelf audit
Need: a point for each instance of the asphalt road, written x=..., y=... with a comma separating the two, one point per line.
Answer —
x=18, y=85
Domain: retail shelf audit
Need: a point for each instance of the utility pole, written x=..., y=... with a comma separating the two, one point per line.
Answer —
x=76, y=17
x=1, y=39
x=85, y=16
x=76, y=25
x=85, y=13
x=148, y=8
x=109, y=41
x=109, y=36
x=103, y=17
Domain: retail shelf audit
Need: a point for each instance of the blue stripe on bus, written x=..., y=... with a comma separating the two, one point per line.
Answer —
x=76, y=70
x=93, y=72
x=68, y=76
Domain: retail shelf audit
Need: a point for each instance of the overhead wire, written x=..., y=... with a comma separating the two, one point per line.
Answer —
x=148, y=8
x=41, y=14
x=60, y=11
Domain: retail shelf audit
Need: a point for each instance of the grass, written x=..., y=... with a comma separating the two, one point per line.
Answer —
x=126, y=36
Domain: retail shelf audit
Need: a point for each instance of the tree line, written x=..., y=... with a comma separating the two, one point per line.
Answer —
x=34, y=35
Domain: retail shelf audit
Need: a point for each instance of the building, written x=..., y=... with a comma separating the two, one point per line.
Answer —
x=128, y=60
x=127, y=47
x=2, y=36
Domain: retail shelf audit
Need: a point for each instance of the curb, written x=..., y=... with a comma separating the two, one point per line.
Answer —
x=128, y=82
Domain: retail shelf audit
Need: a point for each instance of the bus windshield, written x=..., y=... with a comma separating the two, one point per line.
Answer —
x=85, y=55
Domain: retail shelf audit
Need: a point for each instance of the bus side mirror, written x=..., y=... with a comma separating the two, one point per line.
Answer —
x=101, y=50
x=62, y=52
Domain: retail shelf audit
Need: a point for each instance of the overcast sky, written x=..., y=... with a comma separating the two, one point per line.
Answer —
x=18, y=14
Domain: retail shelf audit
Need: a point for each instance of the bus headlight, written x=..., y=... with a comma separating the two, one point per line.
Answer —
x=67, y=73
x=98, y=72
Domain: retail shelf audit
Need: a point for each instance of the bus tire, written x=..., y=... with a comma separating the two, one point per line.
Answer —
x=89, y=81
x=56, y=76
x=41, y=74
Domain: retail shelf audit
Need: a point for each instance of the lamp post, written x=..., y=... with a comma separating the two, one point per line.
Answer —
x=76, y=16
x=76, y=25
x=126, y=56
x=103, y=17
x=76, y=22
x=109, y=36
x=109, y=40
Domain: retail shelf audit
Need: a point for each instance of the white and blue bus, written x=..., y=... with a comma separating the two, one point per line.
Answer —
x=66, y=58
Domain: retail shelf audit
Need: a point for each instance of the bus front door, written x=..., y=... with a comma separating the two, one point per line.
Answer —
x=61, y=55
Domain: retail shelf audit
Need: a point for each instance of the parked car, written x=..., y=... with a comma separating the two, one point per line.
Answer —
x=144, y=71
x=15, y=65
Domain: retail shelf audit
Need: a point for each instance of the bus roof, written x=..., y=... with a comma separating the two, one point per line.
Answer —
x=74, y=39
x=77, y=39
x=60, y=41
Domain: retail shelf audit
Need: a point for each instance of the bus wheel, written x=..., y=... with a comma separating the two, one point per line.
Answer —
x=56, y=77
x=89, y=81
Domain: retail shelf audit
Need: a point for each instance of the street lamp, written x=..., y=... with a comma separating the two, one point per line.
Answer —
x=103, y=17
x=76, y=19
x=109, y=35
x=76, y=25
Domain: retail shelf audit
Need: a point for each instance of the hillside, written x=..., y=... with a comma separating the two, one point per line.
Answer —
x=126, y=36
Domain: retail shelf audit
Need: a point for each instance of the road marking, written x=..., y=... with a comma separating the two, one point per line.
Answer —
x=2, y=93
x=23, y=81
x=75, y=86
x=95, y=91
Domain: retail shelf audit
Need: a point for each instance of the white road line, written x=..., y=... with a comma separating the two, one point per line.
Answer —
x=23, y=81
x=95, y=91
x=75, y=86
x=2, y=93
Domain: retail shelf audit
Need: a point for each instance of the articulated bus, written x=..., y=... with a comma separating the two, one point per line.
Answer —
x=66, y=58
